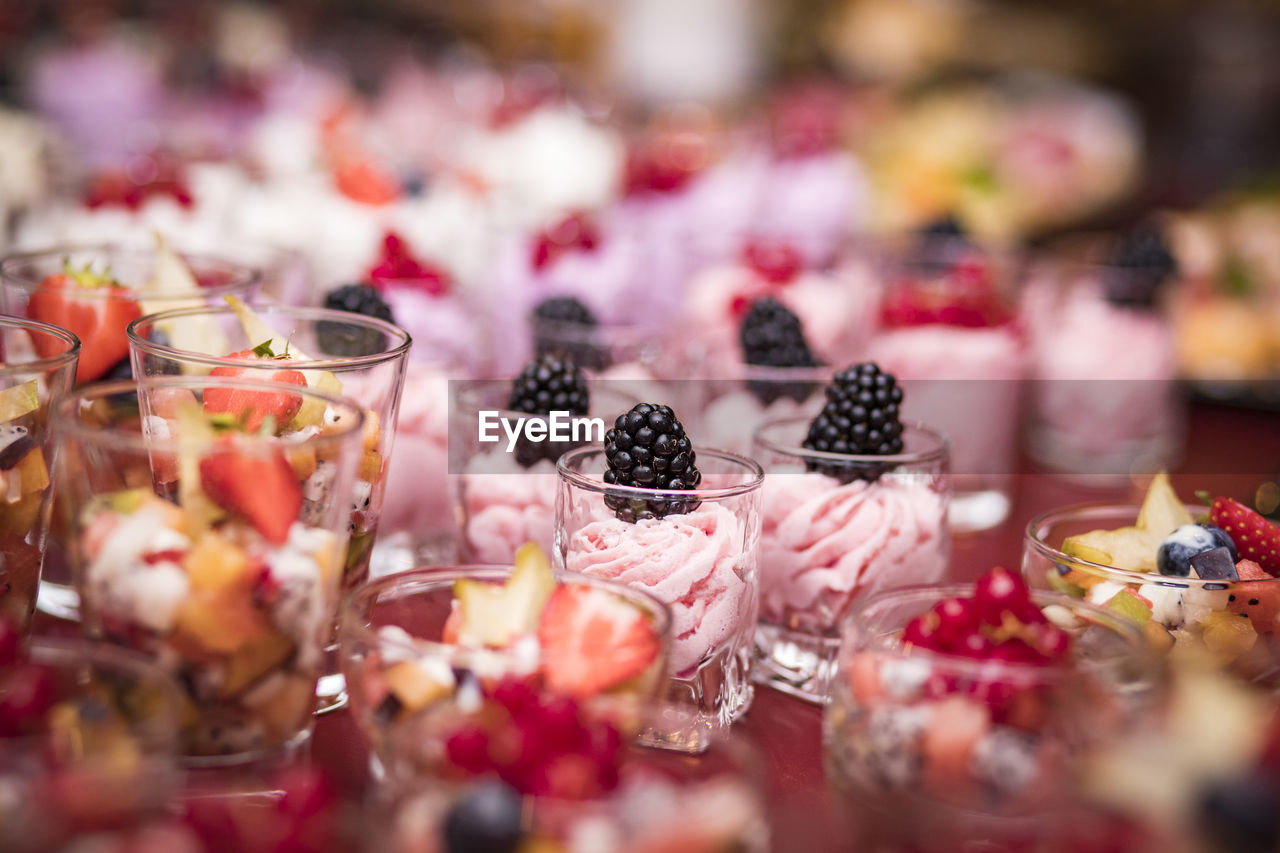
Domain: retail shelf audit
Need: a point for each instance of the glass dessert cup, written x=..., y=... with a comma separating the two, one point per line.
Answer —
x=99, y=755
x=215, y=551
x=824, y=543
x=361, y=358
x=729, y=409
x=505, y=496
x=948, y=333
x=1105, y=402
x=415, y=687
x=149, y=280
x=932, y=750
x=1178, y=615
x=38, y=366
x=701, y=557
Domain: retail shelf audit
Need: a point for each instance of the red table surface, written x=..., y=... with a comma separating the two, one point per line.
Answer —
x=787, y=732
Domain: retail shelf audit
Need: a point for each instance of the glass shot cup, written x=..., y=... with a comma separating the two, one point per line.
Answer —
x=213, y=550
x=37, y=366
x=829, y=538
x=934, y=750
x=699, y=554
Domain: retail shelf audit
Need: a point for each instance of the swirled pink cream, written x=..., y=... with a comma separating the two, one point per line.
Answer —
x=824, y=544
x=505, y=505
x=693, y=562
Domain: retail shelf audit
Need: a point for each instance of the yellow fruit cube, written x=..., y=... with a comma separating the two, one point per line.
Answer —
x=370, y=466
x=32, y=473
x=1228, y=634
x=221, y=621
x=213, y=563
x=253, y=661
x=412, y=686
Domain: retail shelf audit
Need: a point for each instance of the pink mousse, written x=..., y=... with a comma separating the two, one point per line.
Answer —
x=505, y=505
x=824, y=544
x=416, y=500
x=693, y=562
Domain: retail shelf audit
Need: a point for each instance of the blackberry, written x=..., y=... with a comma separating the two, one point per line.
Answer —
x=547, y=384
x=562, y=326
x=945, y=227
x=344, y=339
x=647, y=449
x=772, y=336
x=860, y=418
x=1143, y=263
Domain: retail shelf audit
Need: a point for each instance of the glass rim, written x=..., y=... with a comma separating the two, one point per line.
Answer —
x=469, y=393
x=940, y=451
x=66, y=422
x=857, y=617
x=1033, y=536
x=425, y=579
x=40, y=365
x=598, y=486
x=248, y=275
x=332, y=363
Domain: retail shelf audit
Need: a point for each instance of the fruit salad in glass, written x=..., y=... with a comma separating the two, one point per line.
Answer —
x=451, y=668
x=1194, y=579
x=957, y=711
x=207, y=533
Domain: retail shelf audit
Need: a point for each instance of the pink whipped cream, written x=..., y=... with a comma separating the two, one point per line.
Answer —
x=693, y=562
x=416, y=500
x=824, y=544
x=504, y=506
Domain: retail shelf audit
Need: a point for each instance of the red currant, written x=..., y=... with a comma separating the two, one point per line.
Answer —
x=922, y=631
x=957, y=617
x=1050, y=641
x=515, y=695
x=1016, y=650
x=998, y=591
x=468, y=749
x=773, y=260
x=973, y=644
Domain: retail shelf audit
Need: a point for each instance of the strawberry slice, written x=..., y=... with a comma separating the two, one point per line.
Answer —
x=592, y=641
x=260, y=488
x=254, y=407
x=1256, y=538
x=93, y=307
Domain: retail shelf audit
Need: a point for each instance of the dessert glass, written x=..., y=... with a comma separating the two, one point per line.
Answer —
x=1176, y=614
x=107, y=756
x=365, y=355
x=23, y=274
x=937, y=751
x=729, y=410
x=703, y=563
x=826, y=544
x=218, y=555
x=499, y=501
x=29, y=383
x=411, y=690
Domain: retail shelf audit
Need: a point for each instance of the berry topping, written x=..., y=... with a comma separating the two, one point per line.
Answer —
x=261, y=489
x=771, y=336
x=648, y=449
x=1254, y=537
x=562, y=325
x=253, y=408
x=575, y=232
x=593, y=641
x=547, y=384
x=563, y=309
x=94, y=308
x=343, y=339
x=860, y=418
x=397, y=266
x=945, y=227
x=1143, y=263
x=962, y=294
x=669, y=160
x=487, y=819
x=1176, y=550
x=136, y=187
x=775, y=261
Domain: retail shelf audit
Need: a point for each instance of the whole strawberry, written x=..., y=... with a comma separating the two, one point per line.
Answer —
x=1256, y=538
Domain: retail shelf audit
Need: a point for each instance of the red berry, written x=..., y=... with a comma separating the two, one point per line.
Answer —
x=560, y=724
x=307, y=792
x=27, y=692
x=1050, y=641
x=922, y=631
x=1255, y=538
x=10, y=642
x=1016, y=650
x=1000, y=591
x=468, y=749
x=574, y=232
x=515, y=695
x=973, y=644
x=957, y=617
x=775, y=261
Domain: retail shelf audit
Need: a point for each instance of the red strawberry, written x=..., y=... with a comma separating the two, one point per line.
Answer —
x=260, y=488
x=94, y=308
x=255, y=406
x=592, y=640
x=397, y=266
x=1256, y=538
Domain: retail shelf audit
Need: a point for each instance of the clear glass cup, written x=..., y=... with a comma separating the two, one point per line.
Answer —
x=104, y=347
x=1105, y=402
x=103, y=755
x=412, y=689
x=948, y=332
x=361, y=358
x=936, y=751
x=505, y=497
x=702, y=559
x=38, y=366
x=1176, y=614
x=214, y=551
x=825, y=544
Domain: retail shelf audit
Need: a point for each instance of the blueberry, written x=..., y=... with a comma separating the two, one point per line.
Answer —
x=1222, y=539
x=1240, y=813
x=1177, y=549
x=486, y=820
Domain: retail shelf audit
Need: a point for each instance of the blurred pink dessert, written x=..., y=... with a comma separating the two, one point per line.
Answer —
x=731, y=417
x=505, y=505
x=824, y=544
x=693, y=562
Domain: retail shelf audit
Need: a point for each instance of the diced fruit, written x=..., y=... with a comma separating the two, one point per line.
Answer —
x=495, y=614
x=253, y=661
x=1256, y=596
x=864, y=678
x=1228, y=634
x=1063, y=582
x=253, y=408
x=312, y=412
x=957, y=725
x=221, y=621
x=1128, y=548
x=256, y=329
x=1255, y=537
x=1162, y=510
x=95, y=309
x=33, y=474
x=370, y=466
x=1132, y=605
x=15, y=443
x=287, y=706
x=213, y=563
x=592, y=641
x=20, y=517
x=19, y=400
x=413, y=686
x=1157, y=635
x=1215, y=564
x=1174, y=555
x=260, y=488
